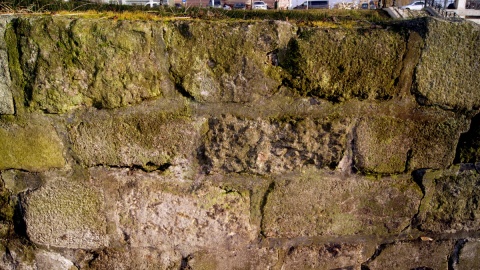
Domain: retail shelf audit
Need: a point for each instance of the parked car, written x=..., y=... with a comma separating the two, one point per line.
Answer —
x=364, y=6
x=417, y=5
x=152, y=4
x=239, y=6
x=259, y=5
x=313, y=5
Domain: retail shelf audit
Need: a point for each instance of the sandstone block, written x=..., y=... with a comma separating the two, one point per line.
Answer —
x=413, y=255
x=65, y=214
x=33, y=147
x=468, y=257
x=318, y=203
x=450, y=202
x=237, y=65
x=148, y=138
x=448, y=75
x=328, y=256
x=344, y=64
x=155, y=210
x=260, y=146
x=71, y=63
x=6, y=98
x=387, y=145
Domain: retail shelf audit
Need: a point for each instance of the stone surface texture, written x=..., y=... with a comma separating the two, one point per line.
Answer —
x=239, y=144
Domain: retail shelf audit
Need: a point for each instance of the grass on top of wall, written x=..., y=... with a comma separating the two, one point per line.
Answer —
x=88, y=8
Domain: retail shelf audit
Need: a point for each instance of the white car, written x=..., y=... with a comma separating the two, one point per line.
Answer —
x=417, y=5
x=259, y=5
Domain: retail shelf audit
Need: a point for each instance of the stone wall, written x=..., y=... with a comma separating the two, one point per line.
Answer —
x=238, y=145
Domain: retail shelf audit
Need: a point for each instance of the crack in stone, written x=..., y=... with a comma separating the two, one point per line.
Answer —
x=269, y=190
x=454, y=258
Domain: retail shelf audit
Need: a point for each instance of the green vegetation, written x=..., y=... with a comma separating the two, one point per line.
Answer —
x=329, y=18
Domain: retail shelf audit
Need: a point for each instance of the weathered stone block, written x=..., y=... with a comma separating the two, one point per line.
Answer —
x=413, y=255
x=148, y=137
x=33, y=147
x=319, y=203
x=70, y=63
x=260, y=146
x=388, y=145
x=468, y=257
x=328, y=256
x=156, y=210
x=65, y=214
x=340, y=64
x=50, y=260
x=451, y=200
x=237, y=65
x=6, y=98
x=447, y=75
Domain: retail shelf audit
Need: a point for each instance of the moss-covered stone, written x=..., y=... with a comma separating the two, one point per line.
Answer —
x=340, y=64
x=413, y=255
x=447, y=74
x=229, y=62
x=65, y=214
x=148, y=137
x=451, y=200
x=32, y=147
x=69, y=63
x=319, y=203
x=388, y=145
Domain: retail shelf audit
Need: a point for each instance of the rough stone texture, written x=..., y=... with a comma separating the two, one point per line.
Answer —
x=259, y=146
x=238, y=65
x=70, y=63
x=65, y=214
x=413, y=255
x=386, y=144
x=328, y=256
x=318, y=203
x=448, y=75
x=355, y=65
x=6, y=98
x=157, y=211
x=32, y=147
x=50, y=260
x=147, y=137
x=451, y=200
x=237, y=145
x=468, y=257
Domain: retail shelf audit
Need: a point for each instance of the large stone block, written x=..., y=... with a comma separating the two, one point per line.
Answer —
x=234, y=65
x=66, y=214
x=468, y=256
x=388, y=145
x=340, y=64
x=447, y=73
x=316, y=203
x=451, y=200
x=69, y=63
x=32, y=147
x=413, y=255
x=328, y=256
x=147, y=137
x=155, y=210
x=6, y=98
x=260, y=146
